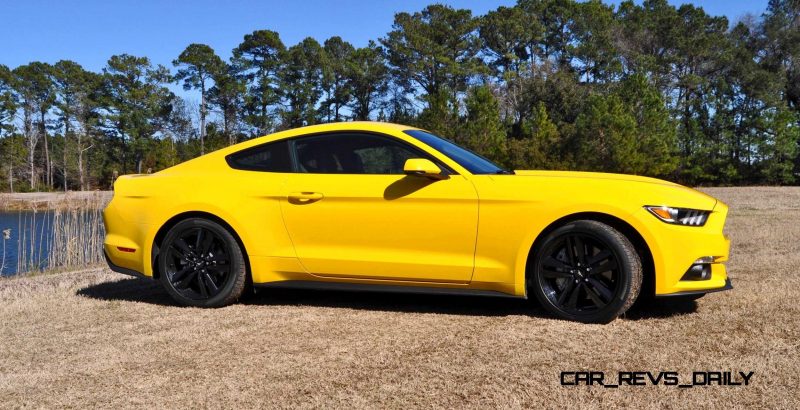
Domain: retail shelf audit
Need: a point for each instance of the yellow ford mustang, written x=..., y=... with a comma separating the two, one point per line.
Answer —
x=385, y=206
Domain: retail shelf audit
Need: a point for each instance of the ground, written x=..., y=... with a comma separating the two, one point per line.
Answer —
x=99, y=339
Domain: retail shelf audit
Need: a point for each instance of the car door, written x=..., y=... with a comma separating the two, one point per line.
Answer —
x=351, y=212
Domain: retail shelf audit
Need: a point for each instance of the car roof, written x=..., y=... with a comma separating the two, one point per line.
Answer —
x=375, y=126
x=365, y=126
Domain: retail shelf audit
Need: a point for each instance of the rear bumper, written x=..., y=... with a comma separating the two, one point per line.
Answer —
x=120, y=269
x=728, y=286
x=122, y=243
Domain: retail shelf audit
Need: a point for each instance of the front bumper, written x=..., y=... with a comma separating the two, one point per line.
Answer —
x=728, y=286
x=676, y=249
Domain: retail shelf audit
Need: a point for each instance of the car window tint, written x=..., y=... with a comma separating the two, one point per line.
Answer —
x=353, y=154
x=466, y=158
x=272, y=157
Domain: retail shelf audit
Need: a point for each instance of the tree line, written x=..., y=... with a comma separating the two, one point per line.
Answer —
x=648, y=89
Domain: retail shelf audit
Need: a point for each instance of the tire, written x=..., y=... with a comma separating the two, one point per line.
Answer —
x=201, y=264
x=586, y=271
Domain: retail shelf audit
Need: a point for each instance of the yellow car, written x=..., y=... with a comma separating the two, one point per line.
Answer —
x=368, y=205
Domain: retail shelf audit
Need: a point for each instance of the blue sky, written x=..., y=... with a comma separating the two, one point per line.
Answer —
x=91, y=31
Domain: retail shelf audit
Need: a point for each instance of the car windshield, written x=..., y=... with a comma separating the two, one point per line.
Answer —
x=473, y=162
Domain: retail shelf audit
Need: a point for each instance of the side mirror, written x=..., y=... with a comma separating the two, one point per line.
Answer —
x=423, y=167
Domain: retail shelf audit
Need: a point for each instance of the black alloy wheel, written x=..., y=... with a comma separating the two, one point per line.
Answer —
x=586, y=271
x=201, y=264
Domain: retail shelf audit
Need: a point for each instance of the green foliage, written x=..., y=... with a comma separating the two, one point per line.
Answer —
x=606, y=137
x=257, y=60
x=641, y=87
x=199, y=64
x=337, y=55
x=441, y=114
x=301, y=82
x=654, y=134
x=540, y=145
x=367, y=77
x=434, y=49
x=780, y=146
x=8, y=103
x=139, y=105
x=483, y=130
x=228, y=97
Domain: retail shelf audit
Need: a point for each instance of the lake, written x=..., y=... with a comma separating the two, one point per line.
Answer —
x=49, y=239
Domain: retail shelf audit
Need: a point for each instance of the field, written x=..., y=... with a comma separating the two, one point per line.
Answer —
x=98, y=339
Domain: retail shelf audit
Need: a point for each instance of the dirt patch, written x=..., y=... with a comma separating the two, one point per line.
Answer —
x=99, y=339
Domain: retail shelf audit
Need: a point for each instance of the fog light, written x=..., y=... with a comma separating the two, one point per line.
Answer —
x=700, y=269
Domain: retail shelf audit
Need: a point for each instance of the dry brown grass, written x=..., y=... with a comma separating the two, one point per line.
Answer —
x=98, y=339
x=54, y=200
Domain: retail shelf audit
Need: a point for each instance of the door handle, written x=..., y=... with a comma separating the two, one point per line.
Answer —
x=302, y=198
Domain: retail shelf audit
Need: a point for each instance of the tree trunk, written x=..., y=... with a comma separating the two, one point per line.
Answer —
x=47, y=165
x=80, y=162
x=32, y=140
x=202, y=116
x=11, y=178
x=31, y=147
x=64, y=150
x=225, y=126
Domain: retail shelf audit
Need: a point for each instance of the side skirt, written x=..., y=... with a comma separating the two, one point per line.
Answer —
x=360, y=287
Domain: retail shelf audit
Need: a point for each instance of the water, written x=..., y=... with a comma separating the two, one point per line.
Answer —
x=49, y=239
x=29, y=239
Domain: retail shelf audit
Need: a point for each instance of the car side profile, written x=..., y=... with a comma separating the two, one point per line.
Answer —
x=368, y=205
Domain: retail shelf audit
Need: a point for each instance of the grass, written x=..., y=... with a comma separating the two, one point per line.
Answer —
x=42, y=201
x=97, y=339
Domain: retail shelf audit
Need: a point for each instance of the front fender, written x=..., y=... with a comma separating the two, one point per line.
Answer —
x=569, y=212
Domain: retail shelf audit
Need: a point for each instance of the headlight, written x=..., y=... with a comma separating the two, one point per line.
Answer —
x=679, y=216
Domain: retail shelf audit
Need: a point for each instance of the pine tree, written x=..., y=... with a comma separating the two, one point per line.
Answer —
x=198, y=66
x=484, y=131
x=257, y=60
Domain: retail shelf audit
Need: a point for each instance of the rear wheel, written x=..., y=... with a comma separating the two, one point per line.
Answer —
x=201, y=264
x=586, y=271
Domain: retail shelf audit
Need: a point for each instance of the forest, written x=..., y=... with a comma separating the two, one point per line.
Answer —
x=649, y=89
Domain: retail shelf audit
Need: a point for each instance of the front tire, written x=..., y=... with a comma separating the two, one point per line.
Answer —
x=201, y=264
x=586, y=271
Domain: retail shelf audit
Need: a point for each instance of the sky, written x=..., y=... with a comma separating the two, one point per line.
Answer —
x=91, y=31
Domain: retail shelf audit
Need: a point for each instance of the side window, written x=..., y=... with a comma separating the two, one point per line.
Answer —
x=353, y=153
x=272, y=157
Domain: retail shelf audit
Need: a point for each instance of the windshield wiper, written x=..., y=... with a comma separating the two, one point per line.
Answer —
x=504, y=172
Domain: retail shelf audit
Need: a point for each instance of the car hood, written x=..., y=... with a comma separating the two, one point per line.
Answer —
x=638, y=189
x=593, y=175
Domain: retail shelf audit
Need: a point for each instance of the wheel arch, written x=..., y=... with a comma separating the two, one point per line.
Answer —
x=633, y=235
x=162, y=232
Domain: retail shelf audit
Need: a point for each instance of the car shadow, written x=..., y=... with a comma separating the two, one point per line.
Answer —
x=149, y=291
x=651, y=308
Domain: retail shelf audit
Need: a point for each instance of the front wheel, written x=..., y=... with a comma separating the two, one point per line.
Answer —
x=586, y=271
x=201, y=264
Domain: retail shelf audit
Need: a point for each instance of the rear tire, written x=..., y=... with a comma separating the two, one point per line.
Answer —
x=586, y=271
x=201, y=264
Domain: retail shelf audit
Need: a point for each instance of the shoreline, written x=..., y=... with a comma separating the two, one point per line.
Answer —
x=46, y=201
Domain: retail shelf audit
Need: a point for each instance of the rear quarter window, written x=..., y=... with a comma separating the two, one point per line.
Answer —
x=271, y=157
